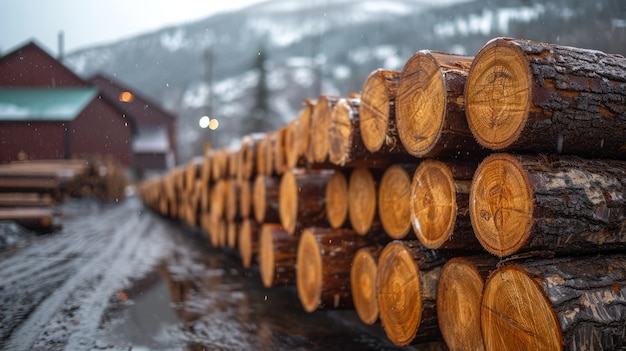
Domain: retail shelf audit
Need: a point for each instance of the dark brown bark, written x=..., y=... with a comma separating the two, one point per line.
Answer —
x=302, y=200
x=277, y=255
x=377, y=111
x=530, y=96
x=559, y=204
x=568, y=303
x=43, y=219
x=323, y=267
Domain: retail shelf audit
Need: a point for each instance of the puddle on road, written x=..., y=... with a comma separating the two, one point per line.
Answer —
x=202, y=299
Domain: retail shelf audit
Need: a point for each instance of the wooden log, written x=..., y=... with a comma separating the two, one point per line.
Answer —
x=192, y=173
x=574, y=303
x=245, y=199
x=261, y=156
x=232, y=232
x=304, y=132
x=280, y=163
x=529, y=96
x=40, y=219
x=205, y=172
x=292, y=145
x=323, y=267
x=362, y=192
x=265, y=199
x=459, y=293
x=377, y=112
x=277, y=255
x=231, y=207
x=394, y=199
x=337, y=200
x=320, y=123
x=219, y=162
x=430, y=108
x=363, y=276
x=26, y=200
x=248, y=241
x=232, y=163
x=248, y=155
x=301, y=198
x=439, y=207
x=271, y=138
x=218, y=198
x=533, y=203
x=407, y=289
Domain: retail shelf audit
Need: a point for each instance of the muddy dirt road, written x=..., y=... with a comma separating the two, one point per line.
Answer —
x=118, y=277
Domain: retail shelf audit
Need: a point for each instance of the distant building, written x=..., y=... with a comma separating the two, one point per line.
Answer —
x=47, y=111
x=153, y=146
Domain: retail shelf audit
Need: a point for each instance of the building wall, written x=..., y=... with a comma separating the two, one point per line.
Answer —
x=38, y=140
x=100, y=130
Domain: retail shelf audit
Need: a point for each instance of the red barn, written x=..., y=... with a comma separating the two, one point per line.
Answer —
x=154, y=144
x=47, y=111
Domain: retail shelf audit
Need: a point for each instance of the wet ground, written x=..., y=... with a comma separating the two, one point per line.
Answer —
x=119, y=277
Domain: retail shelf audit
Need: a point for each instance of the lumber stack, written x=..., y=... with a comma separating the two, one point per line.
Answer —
x=478, y=200
x=30, y=190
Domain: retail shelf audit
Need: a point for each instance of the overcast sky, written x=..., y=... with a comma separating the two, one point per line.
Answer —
x=92, y=22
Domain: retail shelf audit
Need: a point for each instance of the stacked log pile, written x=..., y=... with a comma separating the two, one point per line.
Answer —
x=479, y=201
x=30, y=190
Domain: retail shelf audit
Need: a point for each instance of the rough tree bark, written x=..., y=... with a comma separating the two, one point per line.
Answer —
x=563, y=204
x=574, y=303
x=529, y=96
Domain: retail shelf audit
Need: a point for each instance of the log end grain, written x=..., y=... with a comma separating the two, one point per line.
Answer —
x=340, y=133
x=320, y=123
x=421, y=104
x=245, y=199
x=337, y=200
x=498, y=94
x=433, y=207
x=459, y=294
x=258, y=198
x=394, y=197
x=288, y=201
x=266, y=255
x=363, y=275
x=361, y=200
x=247, y=241
x=309, y=272
x=232, y=231
x=292, y=144
x=516, y=315
x=377, y=97
x=501, y=204
x=399, y=294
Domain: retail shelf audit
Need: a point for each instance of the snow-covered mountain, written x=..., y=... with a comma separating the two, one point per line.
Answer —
x=324, y=46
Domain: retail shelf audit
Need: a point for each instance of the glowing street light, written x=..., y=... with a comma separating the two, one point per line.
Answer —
x=213, y=124
x=205, y=121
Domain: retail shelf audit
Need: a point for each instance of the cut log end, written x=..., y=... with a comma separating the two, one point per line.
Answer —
x=375, y=108
x=320, y=123
x=516, y=315
x=361, y=200
x=421, y=104
x=501, y=204
x=266, y=256
x=292, y=144
x=459, y=293
x=433, y=203
x=399, y=296
x=258, y=198
x=394, y=196
x=247, y=242
x=288, y=201
x=309, y=272
x=363, y=275
x=337, y=200
x=497, y=94
x=340, y=134
x=245, y=199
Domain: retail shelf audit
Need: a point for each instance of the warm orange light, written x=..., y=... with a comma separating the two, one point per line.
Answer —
x=126, y=96
x=213, y=124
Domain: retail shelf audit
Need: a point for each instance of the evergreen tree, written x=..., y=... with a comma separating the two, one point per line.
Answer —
x=259, y=119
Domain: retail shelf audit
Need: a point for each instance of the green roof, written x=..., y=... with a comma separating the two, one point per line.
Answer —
x=43, y=104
